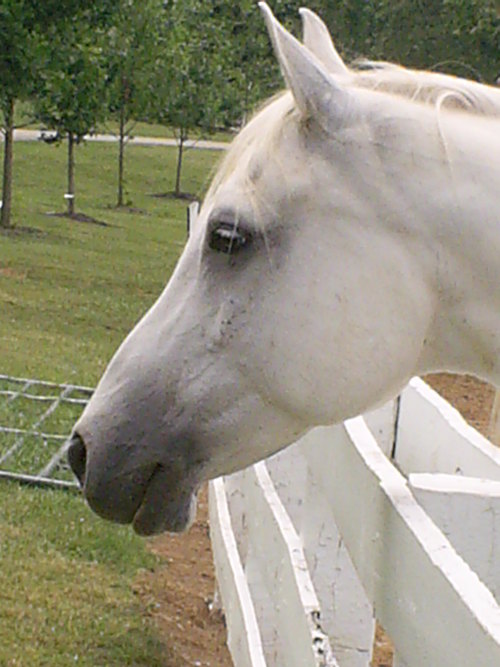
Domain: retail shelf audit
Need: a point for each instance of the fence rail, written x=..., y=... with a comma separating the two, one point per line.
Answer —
x=380, y=539
x=36, y=418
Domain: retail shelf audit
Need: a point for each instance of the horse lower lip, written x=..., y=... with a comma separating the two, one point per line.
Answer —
x=119, y=498
x=164, y=507
x=176, y=522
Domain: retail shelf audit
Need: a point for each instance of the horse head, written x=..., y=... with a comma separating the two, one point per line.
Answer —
x=304, y=295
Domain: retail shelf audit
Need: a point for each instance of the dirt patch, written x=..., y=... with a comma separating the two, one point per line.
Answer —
x=14, y=274
x=472, y=398
x=178, y=595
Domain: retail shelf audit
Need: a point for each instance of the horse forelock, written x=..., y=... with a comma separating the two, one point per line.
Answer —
x=257, y=138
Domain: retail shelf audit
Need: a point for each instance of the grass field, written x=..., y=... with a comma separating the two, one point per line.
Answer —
x=69, y=292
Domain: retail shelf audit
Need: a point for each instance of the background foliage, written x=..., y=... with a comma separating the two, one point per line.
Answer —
x=201, y=65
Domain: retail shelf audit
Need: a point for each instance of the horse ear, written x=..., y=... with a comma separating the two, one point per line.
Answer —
x=317, y=39
x=316, y=93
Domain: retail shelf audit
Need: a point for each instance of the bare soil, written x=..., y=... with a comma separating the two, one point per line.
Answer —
x=179, y=596
x=179, y=593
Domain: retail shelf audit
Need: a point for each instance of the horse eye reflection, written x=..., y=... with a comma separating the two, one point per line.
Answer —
x=226, y=238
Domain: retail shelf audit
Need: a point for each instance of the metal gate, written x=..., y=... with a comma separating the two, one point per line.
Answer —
x=36, y=418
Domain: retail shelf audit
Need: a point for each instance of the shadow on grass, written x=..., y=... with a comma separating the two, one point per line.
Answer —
x=20, y=230
x=80, y=217
x=186, y=196
x=126, y=208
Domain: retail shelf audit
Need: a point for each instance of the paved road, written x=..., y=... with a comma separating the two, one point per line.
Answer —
x=34, y=135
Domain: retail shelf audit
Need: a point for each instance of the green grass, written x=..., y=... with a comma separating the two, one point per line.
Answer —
x=65, y=578
x=69, y=292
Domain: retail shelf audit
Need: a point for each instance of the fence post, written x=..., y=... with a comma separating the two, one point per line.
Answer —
x=495, y=420
x=383, y=423
x=191, y=215
x=467, y=511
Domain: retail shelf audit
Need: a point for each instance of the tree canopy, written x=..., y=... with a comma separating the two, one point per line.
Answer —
x=205, y=64
x=29, y=30
x=131, y=52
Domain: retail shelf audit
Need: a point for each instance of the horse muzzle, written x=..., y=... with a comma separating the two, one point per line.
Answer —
x=152, y=496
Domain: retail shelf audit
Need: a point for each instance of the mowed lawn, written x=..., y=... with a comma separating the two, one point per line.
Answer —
x=69, y=292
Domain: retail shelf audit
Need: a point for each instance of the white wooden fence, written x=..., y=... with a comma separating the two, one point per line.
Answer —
x=314, y=544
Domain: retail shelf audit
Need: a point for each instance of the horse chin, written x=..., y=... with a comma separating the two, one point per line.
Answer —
x=165, y=509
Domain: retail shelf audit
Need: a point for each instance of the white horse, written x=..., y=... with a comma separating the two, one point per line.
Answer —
x=350, y=240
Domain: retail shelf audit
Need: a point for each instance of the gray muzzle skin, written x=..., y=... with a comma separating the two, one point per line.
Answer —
x=152, y=497
x=77, y=458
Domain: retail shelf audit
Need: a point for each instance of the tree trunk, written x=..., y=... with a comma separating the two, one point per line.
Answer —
x=5, y=217
x=182, y=139
x=70, y=195
x=121, y=156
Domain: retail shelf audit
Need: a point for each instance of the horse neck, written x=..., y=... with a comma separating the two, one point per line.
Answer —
x=459, y=211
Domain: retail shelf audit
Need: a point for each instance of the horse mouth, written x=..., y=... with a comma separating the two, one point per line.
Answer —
x=165, y=507
x=154, y=497
x=152, y=502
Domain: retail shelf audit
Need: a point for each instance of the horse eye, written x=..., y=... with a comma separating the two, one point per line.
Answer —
x=228, y=238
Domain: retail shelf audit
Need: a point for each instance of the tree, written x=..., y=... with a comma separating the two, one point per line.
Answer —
x=17, y=55
x=71, y=92
x=457, y=36
x=251, y=70
x=189, y=82
x=130, y=54
x=24, y=26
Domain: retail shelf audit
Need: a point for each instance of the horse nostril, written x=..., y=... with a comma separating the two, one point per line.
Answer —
x=77, y=457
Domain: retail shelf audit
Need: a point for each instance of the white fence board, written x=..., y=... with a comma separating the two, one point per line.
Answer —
x=346, y=614
x=495, y=420
x=276, y=573
x=297, y=610
x=443, y=615
x=243, y=636
x=434, y=437
x=383, y=423
x=294, y=516
x=467, y=510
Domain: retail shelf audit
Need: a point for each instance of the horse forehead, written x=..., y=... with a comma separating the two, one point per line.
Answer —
x=260, y=140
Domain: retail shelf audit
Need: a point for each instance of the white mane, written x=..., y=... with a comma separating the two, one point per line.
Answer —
x=422, y=88
x=428, y=87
